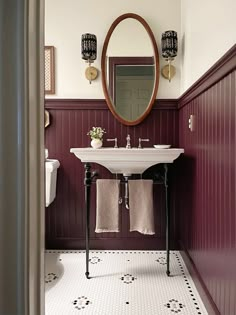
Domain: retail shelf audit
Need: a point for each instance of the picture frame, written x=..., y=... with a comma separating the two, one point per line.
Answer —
x=49, y=69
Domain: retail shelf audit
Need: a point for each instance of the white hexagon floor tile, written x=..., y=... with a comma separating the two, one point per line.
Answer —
x=122, y=283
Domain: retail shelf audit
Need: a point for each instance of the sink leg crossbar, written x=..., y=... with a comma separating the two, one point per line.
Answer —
x=87, y=183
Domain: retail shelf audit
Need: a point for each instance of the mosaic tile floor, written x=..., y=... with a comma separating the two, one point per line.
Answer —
x=123, y=282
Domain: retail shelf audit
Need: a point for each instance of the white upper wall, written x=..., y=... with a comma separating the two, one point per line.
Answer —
x=208, y=32
x=66, y=21
x=124, y=43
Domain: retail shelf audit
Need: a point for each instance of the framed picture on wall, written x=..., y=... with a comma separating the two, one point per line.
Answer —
x=49, y=57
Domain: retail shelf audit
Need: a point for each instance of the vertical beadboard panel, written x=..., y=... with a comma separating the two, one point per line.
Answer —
x=65, y=217
x=207, y=203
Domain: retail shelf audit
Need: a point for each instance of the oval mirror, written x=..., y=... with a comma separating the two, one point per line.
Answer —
x=130, y=69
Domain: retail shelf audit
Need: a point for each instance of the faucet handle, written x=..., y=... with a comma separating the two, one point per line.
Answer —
x=128, y=145
x=140, y=141
x=115, y=140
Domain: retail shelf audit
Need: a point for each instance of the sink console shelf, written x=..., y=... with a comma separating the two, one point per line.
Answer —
x=126, y=162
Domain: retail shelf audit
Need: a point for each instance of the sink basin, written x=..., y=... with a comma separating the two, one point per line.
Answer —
x=126, y=161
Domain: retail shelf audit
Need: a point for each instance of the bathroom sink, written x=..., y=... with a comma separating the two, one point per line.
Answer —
x=126, y=161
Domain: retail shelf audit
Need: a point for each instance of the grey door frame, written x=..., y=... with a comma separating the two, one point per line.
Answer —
x=22, y=157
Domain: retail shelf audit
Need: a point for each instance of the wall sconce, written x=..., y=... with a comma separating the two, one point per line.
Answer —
x=169, y=43
x=89, y=53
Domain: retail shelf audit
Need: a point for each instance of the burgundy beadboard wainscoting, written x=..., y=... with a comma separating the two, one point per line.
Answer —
x=71, y=119
x=207, y=195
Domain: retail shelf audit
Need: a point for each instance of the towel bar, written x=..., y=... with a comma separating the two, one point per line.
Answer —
x=89, y=179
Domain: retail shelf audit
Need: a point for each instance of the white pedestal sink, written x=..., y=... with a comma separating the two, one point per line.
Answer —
x=126, y=161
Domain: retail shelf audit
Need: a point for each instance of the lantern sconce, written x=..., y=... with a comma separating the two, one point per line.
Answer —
x=169, y=43
x=89, y=54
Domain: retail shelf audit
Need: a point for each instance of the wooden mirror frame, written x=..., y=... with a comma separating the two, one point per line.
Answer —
x=103, y=66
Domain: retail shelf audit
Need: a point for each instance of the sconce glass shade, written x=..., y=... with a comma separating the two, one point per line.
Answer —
x=89, y=47
x=169, y=43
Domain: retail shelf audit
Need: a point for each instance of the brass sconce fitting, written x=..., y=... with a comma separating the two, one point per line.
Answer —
x=91, y=73
x=168, y=71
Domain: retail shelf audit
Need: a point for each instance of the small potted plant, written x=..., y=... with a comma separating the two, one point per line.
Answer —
x=96, y=134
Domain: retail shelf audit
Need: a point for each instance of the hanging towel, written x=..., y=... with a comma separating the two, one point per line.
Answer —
x=107, y=212
x=141, y=206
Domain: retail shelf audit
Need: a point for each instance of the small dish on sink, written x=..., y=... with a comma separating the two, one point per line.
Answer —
x=162, y=146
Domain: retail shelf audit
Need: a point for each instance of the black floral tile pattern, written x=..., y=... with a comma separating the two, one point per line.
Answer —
x=81, y=302
x=127, y=278
x=121, y=283
x=94, y=260
x=161, y=260
x=50, y=277
x=175, y=306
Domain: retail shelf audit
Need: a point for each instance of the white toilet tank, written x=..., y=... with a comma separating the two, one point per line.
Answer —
x=51, y=167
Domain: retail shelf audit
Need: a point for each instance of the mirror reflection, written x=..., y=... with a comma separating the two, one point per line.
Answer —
x=130, y=72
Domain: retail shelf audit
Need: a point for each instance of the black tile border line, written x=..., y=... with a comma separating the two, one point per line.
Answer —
x=186, y=281
x=200, y=286
x=108, y=251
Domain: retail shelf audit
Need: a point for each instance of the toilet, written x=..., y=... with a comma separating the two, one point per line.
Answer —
x=51, y=167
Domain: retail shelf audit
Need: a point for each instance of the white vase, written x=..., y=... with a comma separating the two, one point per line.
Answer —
x=96, y=143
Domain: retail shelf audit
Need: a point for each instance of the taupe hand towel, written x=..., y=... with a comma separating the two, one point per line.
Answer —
x=107, y=216
x=141, y=206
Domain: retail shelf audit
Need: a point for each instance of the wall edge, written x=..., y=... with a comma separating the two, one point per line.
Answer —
x=225, y=65
x=198, y=281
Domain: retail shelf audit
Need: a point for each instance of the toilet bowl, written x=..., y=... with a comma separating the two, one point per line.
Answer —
x=51, y=167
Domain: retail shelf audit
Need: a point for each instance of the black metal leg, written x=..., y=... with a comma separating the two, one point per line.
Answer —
x=167, y=222
x=87, y=183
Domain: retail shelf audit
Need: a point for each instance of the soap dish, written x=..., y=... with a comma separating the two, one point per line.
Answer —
x=162, y=146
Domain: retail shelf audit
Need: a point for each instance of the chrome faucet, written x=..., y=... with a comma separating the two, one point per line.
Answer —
x=140, y=141
x=115, y=140
x=128, y=145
